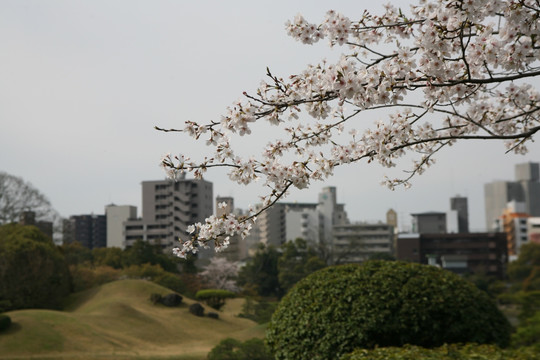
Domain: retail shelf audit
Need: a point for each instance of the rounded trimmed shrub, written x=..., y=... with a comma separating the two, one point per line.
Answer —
x=5, y=322
x=214, y=297
x=196, y=309
x=382, y=303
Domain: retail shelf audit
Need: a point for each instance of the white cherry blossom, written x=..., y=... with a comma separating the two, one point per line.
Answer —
x=448, y=70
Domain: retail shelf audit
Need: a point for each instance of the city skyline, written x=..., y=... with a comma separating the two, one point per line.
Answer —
x=84, y=83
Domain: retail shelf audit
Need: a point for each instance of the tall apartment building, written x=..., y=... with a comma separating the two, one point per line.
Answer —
x=168, y=208
x=356, y=243
x=525, y=189
x=460, y=205
x=89, y=230
x=116, y=216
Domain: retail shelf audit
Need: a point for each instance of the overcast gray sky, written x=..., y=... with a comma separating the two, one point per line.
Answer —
x=82, y=83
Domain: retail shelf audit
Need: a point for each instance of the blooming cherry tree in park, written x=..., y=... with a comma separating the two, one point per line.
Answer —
x=448, y=70
x=221, y=273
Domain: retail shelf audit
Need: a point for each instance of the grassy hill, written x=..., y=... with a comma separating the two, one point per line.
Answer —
x=118, y=321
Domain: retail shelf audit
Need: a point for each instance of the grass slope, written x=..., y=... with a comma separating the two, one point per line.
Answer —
x=117, y=321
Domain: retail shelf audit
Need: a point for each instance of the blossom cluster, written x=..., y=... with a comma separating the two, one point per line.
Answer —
x=450, y=69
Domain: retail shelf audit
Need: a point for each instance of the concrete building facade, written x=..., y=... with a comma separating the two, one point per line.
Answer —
x=533, y=229
x=168, y=208
x=525, y=189
x=356, y=243
x=432, y=222
x=89, y=230
x=116, y=216
x=311, y=221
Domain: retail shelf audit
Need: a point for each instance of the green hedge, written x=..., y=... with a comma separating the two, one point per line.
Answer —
x=214, y=297
x=232, y=349
x=381, y=303
x=445, y=352
x=5, y=322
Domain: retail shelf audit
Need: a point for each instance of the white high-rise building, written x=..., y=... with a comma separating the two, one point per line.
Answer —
x=116, y=216
x=312, y=222
x=168, y=208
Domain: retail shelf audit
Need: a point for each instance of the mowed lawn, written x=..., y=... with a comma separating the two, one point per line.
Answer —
x=118, y=321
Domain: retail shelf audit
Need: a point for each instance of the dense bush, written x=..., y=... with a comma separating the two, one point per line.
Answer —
x=86, y=277
x=232, y=349
x=214, y=297
x=196, y=309
x=381, y=303
x=171, y=300
x=446, y=352
x=5, y=322
x=259, y=311
x=213, y=315
x=528, y=333
x=33, y=272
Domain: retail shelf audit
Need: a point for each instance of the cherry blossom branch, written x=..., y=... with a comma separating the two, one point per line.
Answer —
x=469, y=61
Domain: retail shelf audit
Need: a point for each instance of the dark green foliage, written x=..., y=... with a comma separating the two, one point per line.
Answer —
x=188, y=264
x=261, y=273
x=232, y=349
x=85, y=276
x=144, y=253
x=445, y=352
x=155, y=298
x=76, y=254
x=382, y=256
x=33, y=272
x=526, y=269
x=259, y=311
x=297, y=260
x=528, y=333
x=171, y=300
x=108, y=256
x=214, y=297
x=171, y=281
x=196, y=309
x=5, y=322
x=381, y=303
x=213, y=315
x=156, y=274
x=529, y=302
x=4, y=305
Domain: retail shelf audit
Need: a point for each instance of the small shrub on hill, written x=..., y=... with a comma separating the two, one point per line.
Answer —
x=171, y=300
x=213, y=315
x=155, y=298
x=5, y=322
x=214, y=297
x=381, y=303
x=196, y=309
